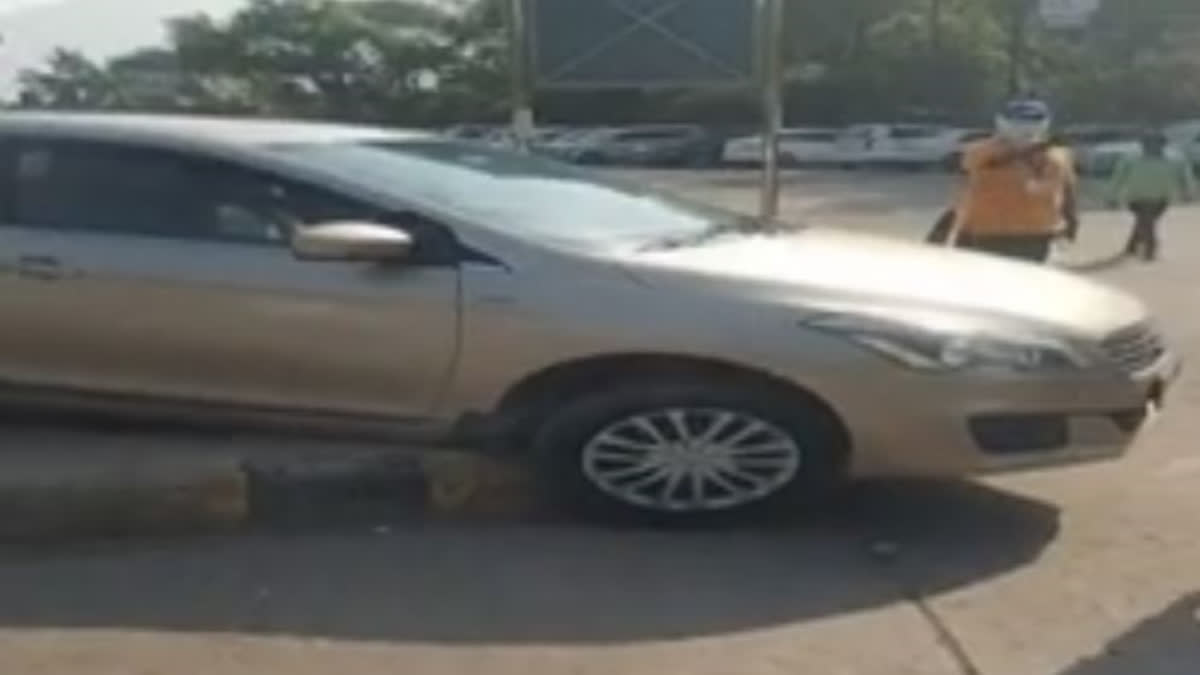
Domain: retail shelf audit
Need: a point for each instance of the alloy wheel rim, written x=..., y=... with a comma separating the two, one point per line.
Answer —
x=691, y=459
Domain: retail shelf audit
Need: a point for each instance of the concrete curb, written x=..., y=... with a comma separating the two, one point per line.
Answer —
x=181, y=494
x=150, y=496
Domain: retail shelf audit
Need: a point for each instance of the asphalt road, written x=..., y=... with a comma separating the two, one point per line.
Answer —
x=1086, y=571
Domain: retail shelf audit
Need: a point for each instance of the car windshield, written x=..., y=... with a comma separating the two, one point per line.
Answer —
x=522, y=195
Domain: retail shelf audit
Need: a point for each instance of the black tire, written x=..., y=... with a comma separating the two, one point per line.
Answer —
x=559, y=447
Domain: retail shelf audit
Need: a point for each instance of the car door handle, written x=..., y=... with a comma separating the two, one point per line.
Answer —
x=41, y=268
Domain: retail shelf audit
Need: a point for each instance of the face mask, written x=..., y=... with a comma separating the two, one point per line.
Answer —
x=1022, y=132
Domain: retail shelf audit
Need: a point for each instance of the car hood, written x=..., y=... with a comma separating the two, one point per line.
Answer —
x=820, y=267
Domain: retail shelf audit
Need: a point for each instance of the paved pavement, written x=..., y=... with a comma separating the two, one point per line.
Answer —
x=1087, y=571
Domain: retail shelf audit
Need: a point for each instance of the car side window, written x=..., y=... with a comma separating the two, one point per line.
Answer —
x=118, y=189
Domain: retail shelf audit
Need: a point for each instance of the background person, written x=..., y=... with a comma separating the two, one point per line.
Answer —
x=1020, y=187
x=1147, y=183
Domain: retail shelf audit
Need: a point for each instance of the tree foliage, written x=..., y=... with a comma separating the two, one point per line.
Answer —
x=414, y=62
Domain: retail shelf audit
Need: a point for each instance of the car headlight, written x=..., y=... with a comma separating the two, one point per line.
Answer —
x=944, y=346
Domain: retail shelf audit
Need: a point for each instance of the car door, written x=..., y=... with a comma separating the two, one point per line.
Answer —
x=818, y=146
x=859, y=144
x=903, y=143
x=147, y=272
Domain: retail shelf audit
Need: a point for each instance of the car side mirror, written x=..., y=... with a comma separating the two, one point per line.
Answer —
x=346, y=241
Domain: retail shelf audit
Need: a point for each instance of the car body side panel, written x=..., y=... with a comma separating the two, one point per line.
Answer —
x=900, y=421
x=516, y=324
x=228, y=323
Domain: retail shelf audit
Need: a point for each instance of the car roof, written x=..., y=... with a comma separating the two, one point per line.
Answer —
x=192, y=128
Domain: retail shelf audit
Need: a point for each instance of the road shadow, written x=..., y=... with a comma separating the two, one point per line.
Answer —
x=1166, y=644
x=1101, y=264
x=530, y=583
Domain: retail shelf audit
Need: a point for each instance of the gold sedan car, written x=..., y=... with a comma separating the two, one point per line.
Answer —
x=653, y=356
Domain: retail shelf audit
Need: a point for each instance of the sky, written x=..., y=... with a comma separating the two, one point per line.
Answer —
x=31, y=29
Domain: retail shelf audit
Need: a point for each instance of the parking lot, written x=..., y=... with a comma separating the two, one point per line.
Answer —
x=1087, y=571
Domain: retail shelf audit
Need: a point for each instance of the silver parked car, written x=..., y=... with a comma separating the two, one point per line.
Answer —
x=651, y=145
x=652, y=356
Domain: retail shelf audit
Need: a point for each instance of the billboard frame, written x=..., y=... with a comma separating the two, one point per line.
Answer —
x=737, y=77
x=766, y=65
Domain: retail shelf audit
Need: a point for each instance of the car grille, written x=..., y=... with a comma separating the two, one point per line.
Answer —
x=1135, y=348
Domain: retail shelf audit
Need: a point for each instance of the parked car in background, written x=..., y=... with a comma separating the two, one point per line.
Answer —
x=570, y=144
x=301, y=275
x=908, y=146
x=546, y=139
x=953, y=162
x=650, y=145
x=804, y=146
x=1183, y=132
x=501, y=137
x=1186, y=137
x=1080, y=136
x=471, y=132
x=1096, y=147
x=1101, y=159
x=506, y=137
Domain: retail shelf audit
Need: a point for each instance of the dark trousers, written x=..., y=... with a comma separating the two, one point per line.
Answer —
x=1032, y=247
x=1144, y=237
x=942, y=228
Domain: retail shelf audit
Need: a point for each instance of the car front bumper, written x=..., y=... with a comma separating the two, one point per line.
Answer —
x=963, y=426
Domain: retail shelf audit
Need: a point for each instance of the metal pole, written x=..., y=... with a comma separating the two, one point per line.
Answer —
x=771, y=41
x=936, y=9
x=520, y=80
x=933, y=89
x=1018, y=47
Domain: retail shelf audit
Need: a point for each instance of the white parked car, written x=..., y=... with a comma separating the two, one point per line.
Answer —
x=913, y=146
x=807, y=146
x=1186, y=137
x=1184, y=132
x=954, y=161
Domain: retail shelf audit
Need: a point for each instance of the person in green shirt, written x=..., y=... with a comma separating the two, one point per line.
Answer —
x=1147, y=183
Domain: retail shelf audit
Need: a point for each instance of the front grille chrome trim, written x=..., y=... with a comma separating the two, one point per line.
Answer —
x=1134, y=348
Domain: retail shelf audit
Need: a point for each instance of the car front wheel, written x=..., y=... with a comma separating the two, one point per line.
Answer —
x=683, y=452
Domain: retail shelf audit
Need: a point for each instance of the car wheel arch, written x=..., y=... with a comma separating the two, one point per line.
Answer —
x=526, y=403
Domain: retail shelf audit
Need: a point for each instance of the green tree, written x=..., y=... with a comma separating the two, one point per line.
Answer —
x=372, y=60
x=68, y=80
x=416, y=62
